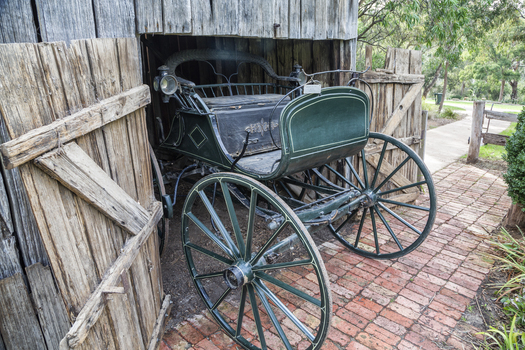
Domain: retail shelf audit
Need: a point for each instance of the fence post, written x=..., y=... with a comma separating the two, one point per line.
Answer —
x=475, y=136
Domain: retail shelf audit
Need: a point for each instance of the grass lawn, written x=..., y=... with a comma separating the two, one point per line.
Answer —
x=508, y=108
x=494, y=152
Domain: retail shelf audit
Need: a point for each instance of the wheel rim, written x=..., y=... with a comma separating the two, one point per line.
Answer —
x=264, y=294
x=391, y=223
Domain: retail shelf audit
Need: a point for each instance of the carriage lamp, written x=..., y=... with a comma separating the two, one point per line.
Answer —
x=165, y=82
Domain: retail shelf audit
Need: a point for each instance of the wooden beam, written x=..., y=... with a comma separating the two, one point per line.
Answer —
x=43, y=139
x=508, y=117
x=401, y=109
x=387, y=78
x=91, y=311
x=494, y=139
x=373, y=148
x=158, y=330
x=73, y=168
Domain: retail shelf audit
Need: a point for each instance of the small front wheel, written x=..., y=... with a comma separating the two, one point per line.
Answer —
x=254, y=264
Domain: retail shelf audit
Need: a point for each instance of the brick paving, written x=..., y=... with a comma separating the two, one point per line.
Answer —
x=413, y=302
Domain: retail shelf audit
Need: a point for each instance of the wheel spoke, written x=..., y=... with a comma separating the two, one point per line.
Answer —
x=288, y=288
x=267, y=244
x=399, y=218
x=256, y=316
x=388, y=228
x=221, y=299
x=218, y=222
x=210, y=253
x=211, y=235
x=251, y=220
x=403, y=204
x=342, y=177
x=240, y=315
x=379, y=163
x=392, y=174
x=363, y=162
x=209, y=275
x=374, y=228
x=233, y=217
x=360, y=227
x=354, y=173
x=285, y=310
x=350, y=217
x=402, y=188
x=274, y=319
x=281, y=265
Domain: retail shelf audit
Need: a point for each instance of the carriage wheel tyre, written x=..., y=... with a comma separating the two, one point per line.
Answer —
x=255, y=265
x=398, y=213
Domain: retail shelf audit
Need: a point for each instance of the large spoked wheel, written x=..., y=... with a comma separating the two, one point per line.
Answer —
x=255, y=265
x=400, y=205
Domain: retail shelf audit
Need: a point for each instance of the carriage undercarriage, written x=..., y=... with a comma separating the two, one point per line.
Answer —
x=249, y=221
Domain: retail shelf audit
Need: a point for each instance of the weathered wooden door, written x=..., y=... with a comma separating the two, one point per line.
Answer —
x=77, y=123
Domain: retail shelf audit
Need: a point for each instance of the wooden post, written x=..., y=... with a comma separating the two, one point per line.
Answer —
x=424, y=120
x=368, y=56
x=475, y=136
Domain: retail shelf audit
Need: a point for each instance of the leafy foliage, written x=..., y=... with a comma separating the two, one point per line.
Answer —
x=501, y=338
x=515, y=157
x=515, y=307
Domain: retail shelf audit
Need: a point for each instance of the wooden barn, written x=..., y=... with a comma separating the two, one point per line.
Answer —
x=79, y=265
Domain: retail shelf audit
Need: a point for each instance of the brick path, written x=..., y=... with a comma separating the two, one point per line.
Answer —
x=414, y=302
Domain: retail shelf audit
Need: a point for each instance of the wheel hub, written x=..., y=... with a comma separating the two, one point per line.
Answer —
x=371, y=198
x=237, y=275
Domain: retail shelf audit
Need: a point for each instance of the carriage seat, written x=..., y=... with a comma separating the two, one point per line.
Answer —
x=236, y=115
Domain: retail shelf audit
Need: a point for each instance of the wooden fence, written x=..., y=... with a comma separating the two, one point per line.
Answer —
x=477, y=135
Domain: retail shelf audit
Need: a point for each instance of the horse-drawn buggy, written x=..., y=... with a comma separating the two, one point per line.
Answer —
x=280, y=161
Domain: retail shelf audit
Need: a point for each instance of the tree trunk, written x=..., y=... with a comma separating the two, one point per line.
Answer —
x=444, y=88
x=431, y=84
x=514, y=86
x=515, y=217
x=501, y=90
x=462, y=89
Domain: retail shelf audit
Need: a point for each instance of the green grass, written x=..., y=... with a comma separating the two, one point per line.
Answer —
x=495, y=152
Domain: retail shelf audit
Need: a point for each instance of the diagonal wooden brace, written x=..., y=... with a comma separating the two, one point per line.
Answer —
x=91, y=311
x=400, y=111
x=74, y=169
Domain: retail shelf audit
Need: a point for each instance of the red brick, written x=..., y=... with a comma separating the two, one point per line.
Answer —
x=203, y=324
x=205, y=344
x=338, y=337
x=420, y=341
x=390, y=325
x=396, y=276
x=359, y=309
x=344, y=326
x=222, y=341
x=415, y=297
x=188, y=332
x=404, y=311
x=446, y=310
x=372, y=342
x=441, y=318
x=356, y=346
x=388, y=284
x=382, y=334
x=397, y=318
x=369, y=304
x=353, y=318
x=429, y=333
x=461, y=290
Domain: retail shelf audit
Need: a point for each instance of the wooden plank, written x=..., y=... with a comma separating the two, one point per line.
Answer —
x=477, y=127
x=95, y=304
x=321, y=20
x=148, y=15
x=45, y=138
x=281, y=13
x=494, y=139
x=48, y=304
x=508, y=117
x=16, y=22
x=177, y=16
x=72, y=167
x=114, y=19
x=158, y=330
x=334, y=9
x=381, y=77
x=9, y=259
x=372, y=148
x=65, y=20
x=18, y=323
x=401, y=109
x=294, y=21
x=308, y=18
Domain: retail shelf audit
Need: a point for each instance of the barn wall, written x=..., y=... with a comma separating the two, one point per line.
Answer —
x=65, y=20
